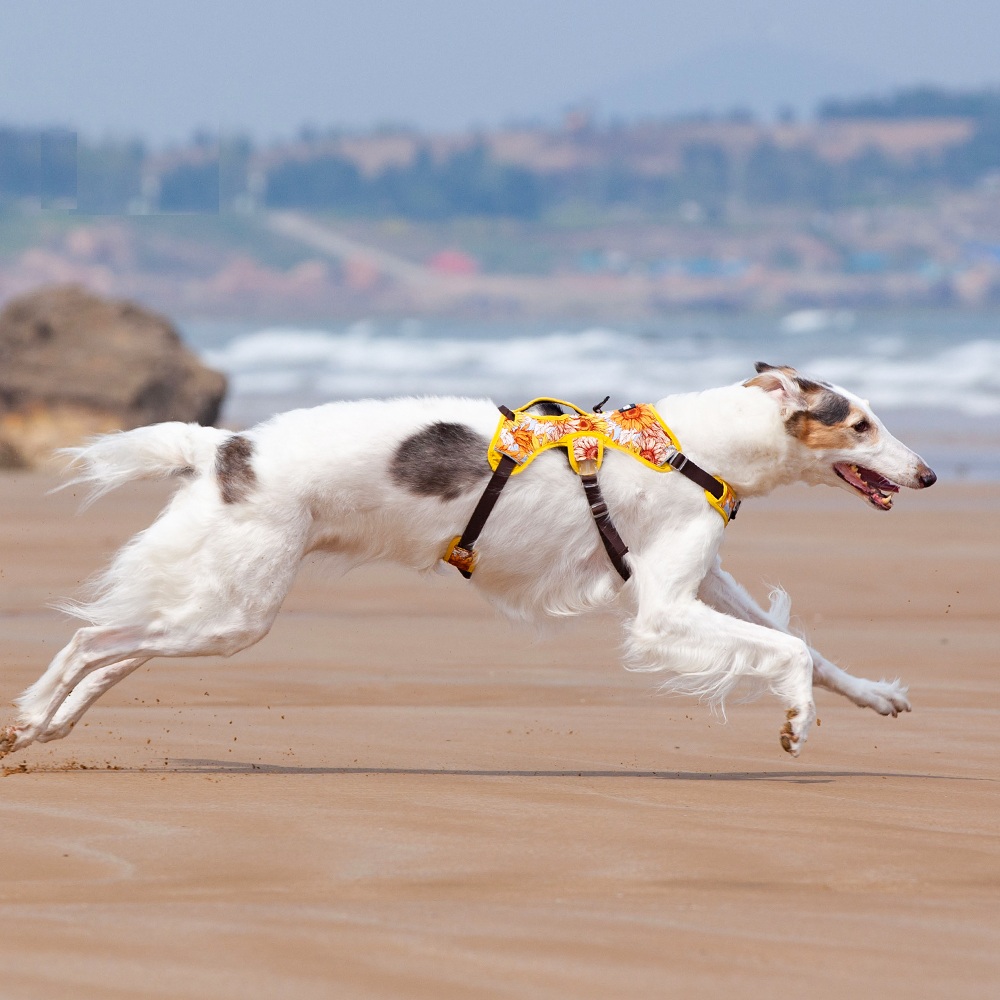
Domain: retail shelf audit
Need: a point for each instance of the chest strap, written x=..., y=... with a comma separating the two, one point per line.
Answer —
x=613, y=544
x=461, y=551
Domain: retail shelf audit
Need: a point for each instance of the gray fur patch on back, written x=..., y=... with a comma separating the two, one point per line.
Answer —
x=548, y=408
x=443, y=460
x=232, y=465
x=830, y=408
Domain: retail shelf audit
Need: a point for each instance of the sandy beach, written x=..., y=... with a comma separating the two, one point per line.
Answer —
x=397, y=794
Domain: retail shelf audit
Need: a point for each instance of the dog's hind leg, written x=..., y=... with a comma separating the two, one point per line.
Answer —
x=722, y=592
x=90, y=649
x=215, y=614
x=121, y=648
x=205, y=579
x=85, y=694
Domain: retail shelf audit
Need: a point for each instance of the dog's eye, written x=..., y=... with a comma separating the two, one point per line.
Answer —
x=862, y=427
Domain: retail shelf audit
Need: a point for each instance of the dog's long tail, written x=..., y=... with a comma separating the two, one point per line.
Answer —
x=155, y=452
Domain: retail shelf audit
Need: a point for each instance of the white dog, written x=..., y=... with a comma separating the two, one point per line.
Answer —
x=396, y=480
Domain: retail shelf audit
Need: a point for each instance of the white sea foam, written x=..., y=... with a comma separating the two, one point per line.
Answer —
x=935, y=377
x=965, y=378
x=362, y=360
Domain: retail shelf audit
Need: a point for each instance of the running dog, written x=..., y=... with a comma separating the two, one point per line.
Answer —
x=395, y=480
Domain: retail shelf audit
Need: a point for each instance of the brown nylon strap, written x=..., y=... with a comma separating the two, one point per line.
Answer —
x=697, y=474
x=613, y=544
x=485, y=506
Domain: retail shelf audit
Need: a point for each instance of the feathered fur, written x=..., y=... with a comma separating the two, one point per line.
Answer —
x=396, y=480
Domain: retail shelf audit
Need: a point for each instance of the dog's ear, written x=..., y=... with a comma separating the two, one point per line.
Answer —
x=783, y=383
x=762, y=366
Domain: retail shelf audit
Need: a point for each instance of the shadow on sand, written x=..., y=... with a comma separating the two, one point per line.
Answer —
x=189, y=766
x=235, y=767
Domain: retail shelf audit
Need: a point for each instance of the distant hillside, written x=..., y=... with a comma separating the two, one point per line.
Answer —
x=917, y=102
x=872, y=150
x=760, y=76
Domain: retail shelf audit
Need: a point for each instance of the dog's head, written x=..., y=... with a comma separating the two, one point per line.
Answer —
x=839, y=440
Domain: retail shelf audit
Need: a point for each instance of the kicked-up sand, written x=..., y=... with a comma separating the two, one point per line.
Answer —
x=397, y=794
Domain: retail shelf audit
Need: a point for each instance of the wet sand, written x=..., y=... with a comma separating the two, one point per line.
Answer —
x=397, y=794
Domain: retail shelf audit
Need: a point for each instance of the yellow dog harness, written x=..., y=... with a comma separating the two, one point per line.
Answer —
x=638, y=430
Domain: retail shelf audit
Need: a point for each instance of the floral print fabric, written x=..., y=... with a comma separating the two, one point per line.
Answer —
x=637, y=430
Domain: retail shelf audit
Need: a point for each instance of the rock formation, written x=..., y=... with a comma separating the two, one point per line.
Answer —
x=73, y=364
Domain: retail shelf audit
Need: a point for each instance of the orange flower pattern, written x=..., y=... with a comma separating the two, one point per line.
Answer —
x=636, y=429
x=586, y=449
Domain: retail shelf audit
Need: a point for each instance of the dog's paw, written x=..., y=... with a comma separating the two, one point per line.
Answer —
x=795, y=731
x=885, y=697
x=8, y=740
x=15, y=738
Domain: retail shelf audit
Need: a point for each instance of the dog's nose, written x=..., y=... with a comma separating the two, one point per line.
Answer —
x=927, y=478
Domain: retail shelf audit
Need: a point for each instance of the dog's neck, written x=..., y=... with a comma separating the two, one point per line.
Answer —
x=736, y=433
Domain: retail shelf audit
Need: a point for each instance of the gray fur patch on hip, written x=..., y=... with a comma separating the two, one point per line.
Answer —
x=232, y=465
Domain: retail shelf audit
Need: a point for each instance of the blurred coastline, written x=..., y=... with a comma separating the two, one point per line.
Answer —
x=577, y=259
x=873, y=203
x=933, y=375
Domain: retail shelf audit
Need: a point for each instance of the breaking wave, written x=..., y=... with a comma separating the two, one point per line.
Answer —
x=892, y=368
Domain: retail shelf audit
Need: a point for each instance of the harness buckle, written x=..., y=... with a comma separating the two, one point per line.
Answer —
x=464, y=560
x=677, y=460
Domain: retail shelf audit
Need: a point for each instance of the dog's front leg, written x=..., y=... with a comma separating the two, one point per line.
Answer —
x=708, y=653
x=722, y=592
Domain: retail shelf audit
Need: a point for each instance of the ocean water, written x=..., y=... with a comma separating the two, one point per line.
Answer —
x=933, y=376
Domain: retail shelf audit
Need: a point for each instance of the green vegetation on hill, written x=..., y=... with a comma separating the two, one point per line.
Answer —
x=468, y=182
x=601, y=168
x=918, y=102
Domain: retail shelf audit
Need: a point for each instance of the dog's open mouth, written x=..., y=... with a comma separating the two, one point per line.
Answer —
x=875, y=488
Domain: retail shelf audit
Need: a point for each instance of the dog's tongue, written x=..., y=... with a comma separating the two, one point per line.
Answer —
x=875, y=487
x=866, y=479
x=878, y=481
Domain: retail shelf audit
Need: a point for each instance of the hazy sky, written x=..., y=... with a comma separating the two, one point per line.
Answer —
x=164, y=67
